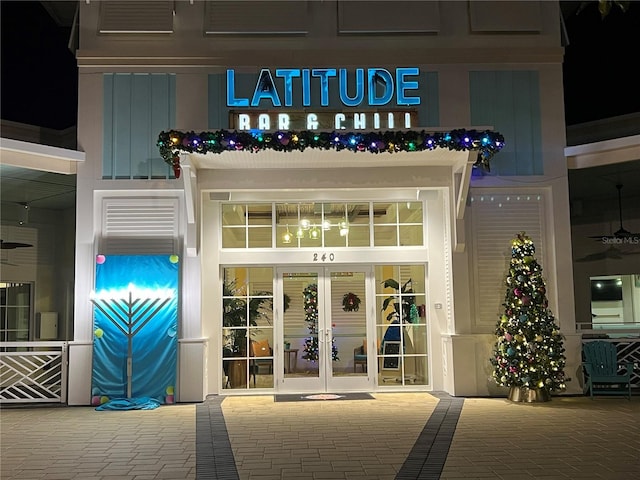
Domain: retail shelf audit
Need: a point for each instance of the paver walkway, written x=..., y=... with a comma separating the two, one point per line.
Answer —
x=394, y=436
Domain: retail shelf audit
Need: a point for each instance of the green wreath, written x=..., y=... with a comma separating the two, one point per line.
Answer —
x=350, y=302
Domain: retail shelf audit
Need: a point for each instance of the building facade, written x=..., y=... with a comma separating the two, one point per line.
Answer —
x=305, y=262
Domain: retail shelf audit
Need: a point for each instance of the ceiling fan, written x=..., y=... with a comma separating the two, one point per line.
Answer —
x=611, y=253
x=11, y=245
x=621, y=233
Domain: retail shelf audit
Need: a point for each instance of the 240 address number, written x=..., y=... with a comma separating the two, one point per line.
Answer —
x=324, y=257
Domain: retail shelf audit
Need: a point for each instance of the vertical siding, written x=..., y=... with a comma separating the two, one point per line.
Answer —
x=137, y=107
x=107, y=143
x=122, y=126
x=429, y=108
x=140, y=125
x=218, y=111
x=163, y=117
x=510, y=102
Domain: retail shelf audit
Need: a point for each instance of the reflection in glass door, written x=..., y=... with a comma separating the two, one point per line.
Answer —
x=324, y=329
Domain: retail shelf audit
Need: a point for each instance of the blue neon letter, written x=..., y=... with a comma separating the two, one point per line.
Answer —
x=383, y=77
x=344, y=96
x=402, y=85
x=306, y=87
x=232, y=101
x=288, y=74
x=324, y=74
x=265, y=88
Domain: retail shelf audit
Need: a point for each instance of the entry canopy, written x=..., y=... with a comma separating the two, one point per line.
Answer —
x=327, y=145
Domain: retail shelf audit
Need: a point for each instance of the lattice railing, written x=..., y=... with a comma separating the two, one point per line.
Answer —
x=33, y=372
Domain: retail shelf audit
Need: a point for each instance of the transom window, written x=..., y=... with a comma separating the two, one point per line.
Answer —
x=330, y=224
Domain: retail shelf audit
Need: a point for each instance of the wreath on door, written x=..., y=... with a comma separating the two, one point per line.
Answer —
x=350, y=302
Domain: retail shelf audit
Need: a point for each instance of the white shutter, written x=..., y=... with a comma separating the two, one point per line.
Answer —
x=388, y=16
x=129, y=16
x=256, y=17
x=139, y=226
x=496, y=220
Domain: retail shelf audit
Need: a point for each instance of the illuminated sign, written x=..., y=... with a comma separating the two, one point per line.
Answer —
x=324, y=120
x=374, y=87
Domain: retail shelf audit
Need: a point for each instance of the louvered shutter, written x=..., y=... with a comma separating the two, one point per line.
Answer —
x=388, y=17
x=139, y=226
x=257, y=17
x=496, y=220
x=130, y=16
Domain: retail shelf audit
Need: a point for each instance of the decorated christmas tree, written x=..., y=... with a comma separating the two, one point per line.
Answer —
x=310, y=306
x=528, y=355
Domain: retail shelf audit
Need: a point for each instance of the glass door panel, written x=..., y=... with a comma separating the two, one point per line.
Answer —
x=401, y=325
x=347, y=329
x=324, y=329
x=247, y=328
x=301, y=355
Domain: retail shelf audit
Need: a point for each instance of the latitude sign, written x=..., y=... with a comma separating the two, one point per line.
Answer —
x=371, y=88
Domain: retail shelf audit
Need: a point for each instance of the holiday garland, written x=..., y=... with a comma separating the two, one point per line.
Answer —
x=173, y=142
x=310, y=307
x=529, y=347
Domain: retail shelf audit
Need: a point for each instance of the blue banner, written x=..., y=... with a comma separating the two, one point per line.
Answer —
x=135, y=344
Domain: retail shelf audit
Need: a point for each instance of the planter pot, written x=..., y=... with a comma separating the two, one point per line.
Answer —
x=529, y=395
x=238, y=373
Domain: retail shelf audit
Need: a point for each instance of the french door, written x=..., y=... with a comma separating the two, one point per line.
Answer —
x=326, y=322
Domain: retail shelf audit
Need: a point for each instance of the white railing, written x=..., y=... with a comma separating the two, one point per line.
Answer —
x=612, y=329
x=33, y=372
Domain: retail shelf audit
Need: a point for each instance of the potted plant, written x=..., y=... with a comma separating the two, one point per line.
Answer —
x=405, y=302
x=238, y=316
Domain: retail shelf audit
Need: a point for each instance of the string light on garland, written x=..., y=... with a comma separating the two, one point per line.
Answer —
x=173, y=142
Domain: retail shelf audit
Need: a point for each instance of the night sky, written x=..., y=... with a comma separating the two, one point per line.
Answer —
x=39, y=79
x=39, y=74
x=600, y=78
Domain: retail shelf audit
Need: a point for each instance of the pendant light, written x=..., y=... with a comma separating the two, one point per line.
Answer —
x=287, y=236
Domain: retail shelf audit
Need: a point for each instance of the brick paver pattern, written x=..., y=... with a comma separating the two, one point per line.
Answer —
x=566, y=438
